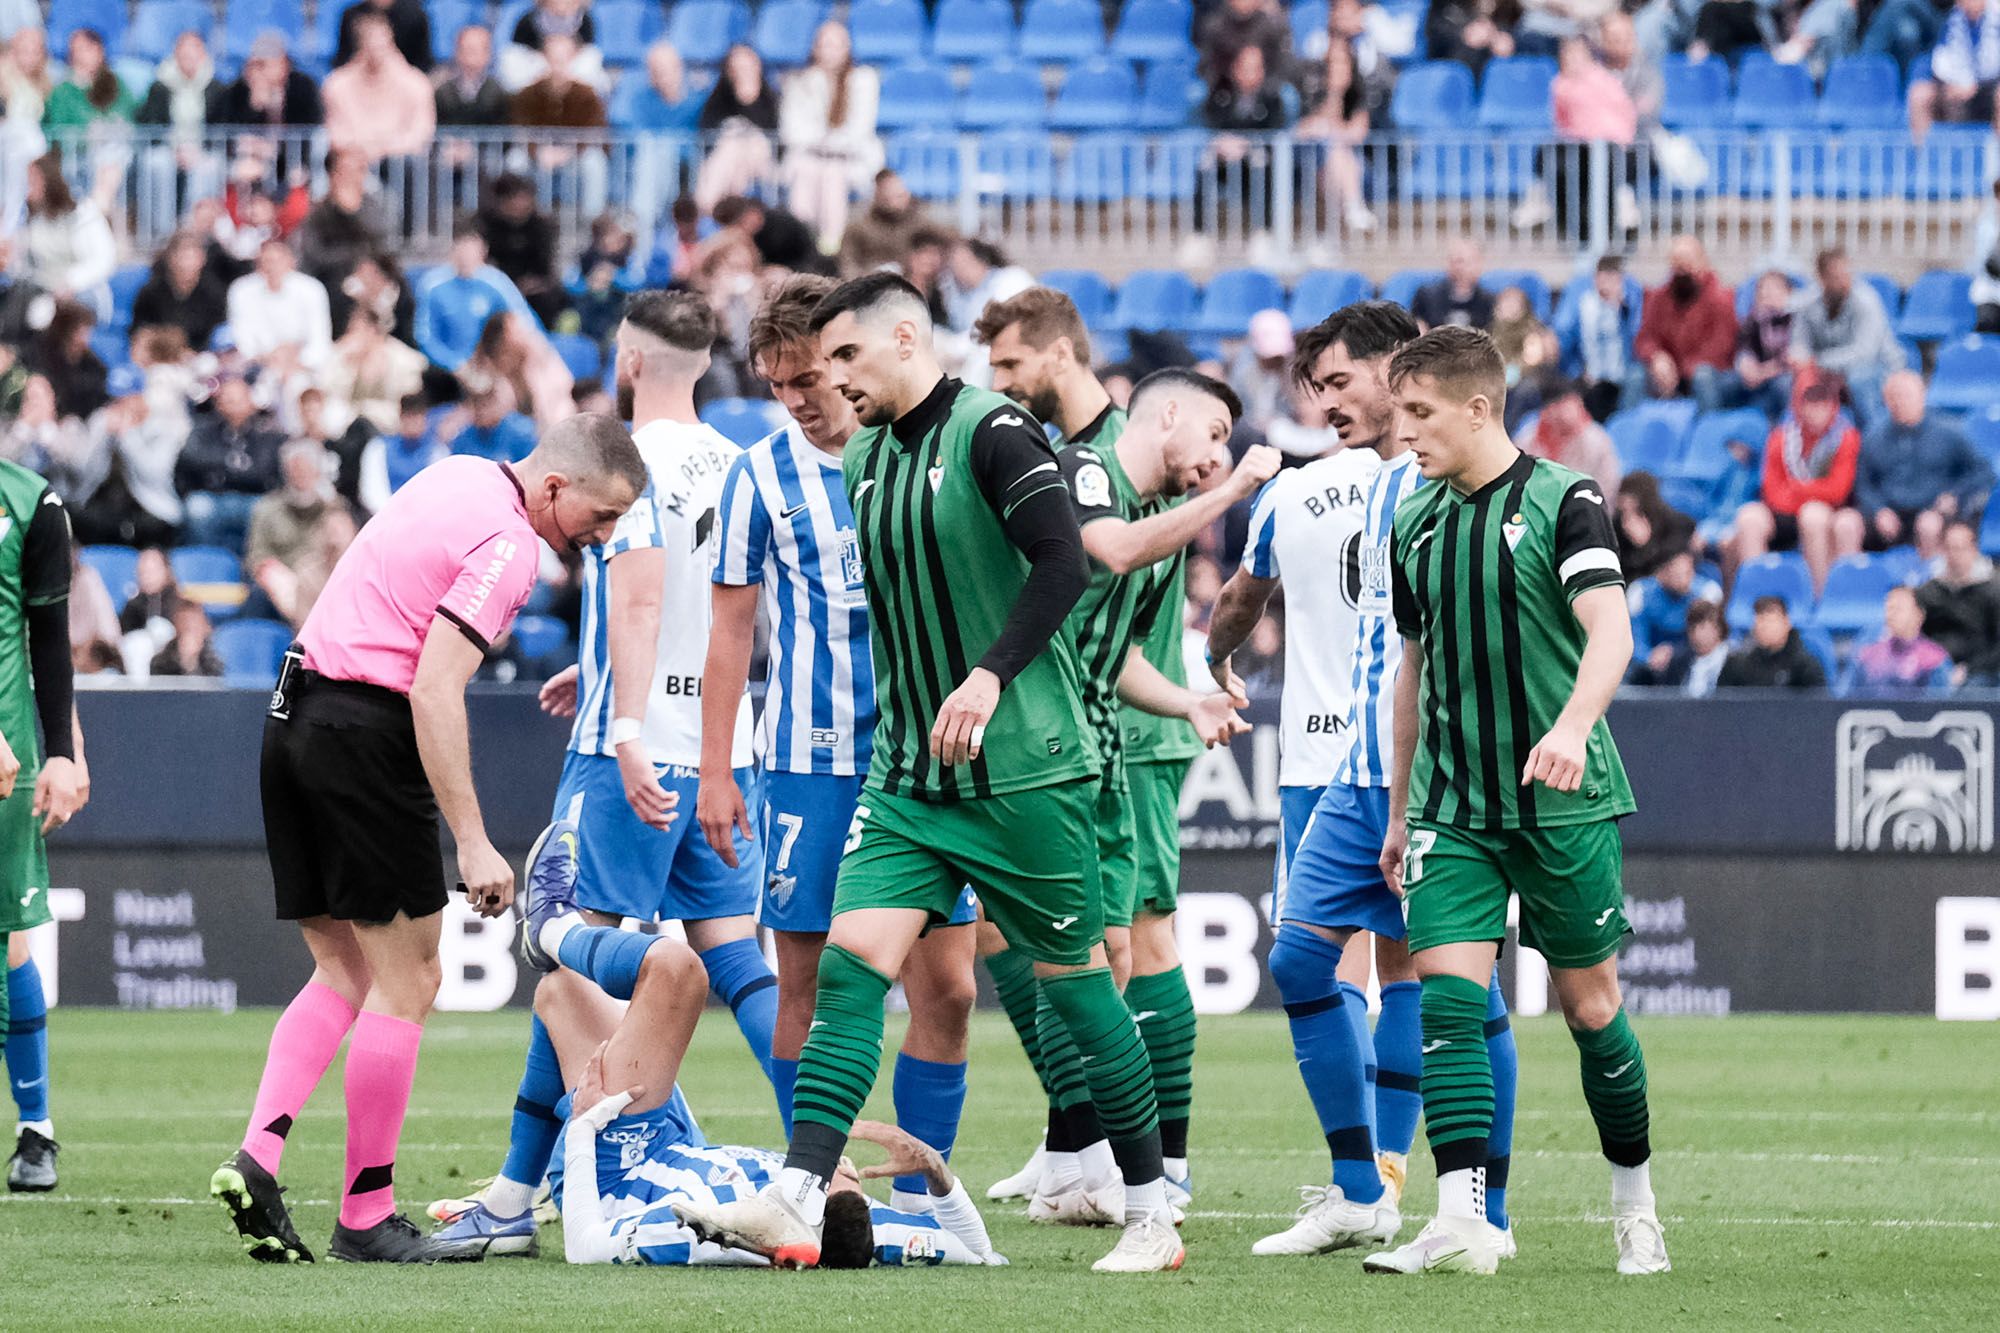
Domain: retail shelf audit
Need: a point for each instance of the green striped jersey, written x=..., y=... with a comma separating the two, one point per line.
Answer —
x=1150, y=738
x=34, y=571
x=1484, y=583
x=930, y=493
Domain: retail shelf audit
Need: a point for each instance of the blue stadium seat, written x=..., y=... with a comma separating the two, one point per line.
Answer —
x=784, y=32
x=125, y=285
x=1016, y=164
x=1515, y=94
x=1908, y=566
x=704, y=30
x=1967, y=378
x=1532, y=284
x=625, y=28
x=1061, y=32
x=1697, y=93
x=1099, y=168
x=207, y=564
x=1819, y=643
x=1153, y=299
x=245, y=19
x=886, y=31
x=1168, y=95
x=1645, y=442
x=1323, y=291
x=970, y=31
x=251, y=651
x=1707, y=454
x=1003, y=96
x=1309, y=20
x=1862, y=93
x=1937, y=306
x=1780, y=574
x=118, y=566
x=1989, y=531
x=1433, y=95
x=107, y=17
x=1402, y=286
x=1233, y=296
x=928, y=162
x=1852, y=599
x=1773, y=96
x=744, y=420
x=1086, y=288
x=157, y=23
x=1983, y=429
x=1153, y=30
x=1097, y=94
x=913, y=97
x=579, y=354
x=113, y=346
x=1888, y=289
x=447, y=18
x=538, y=636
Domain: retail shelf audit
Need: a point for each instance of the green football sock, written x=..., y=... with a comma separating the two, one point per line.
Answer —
x=1614, y=1085
x=1458, y=1073
x=842, y=1056
x=1164, y=1009
x=1013, y=976
x=1087, y=1009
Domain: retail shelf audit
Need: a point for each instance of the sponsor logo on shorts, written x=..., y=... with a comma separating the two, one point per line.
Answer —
x=1604, y=916
x=1063, y=924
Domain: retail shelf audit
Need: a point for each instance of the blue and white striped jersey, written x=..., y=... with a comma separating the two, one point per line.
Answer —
x=787, y=528
x=1305, y=527
x=688, y=463
x=1378, y=651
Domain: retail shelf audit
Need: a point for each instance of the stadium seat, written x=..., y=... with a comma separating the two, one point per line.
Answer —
x=1168, y=95
x=1645, y=442
x=245, y=19
x=1983, y=428
x=207, y=564
x=1532, y=284
x=1402, y=286
x=1016, y=164
x=118, y=566
x=1003, y=96
x=887, y=31
x=1153, y=30
x=1815, y=640
x=1707, y=454
x=1862, y=93
x=1154, y=299
x=1308, y=21
x=447, y=18
x=1233, y=296
x=704, y=30
x=1061, y=32
x=580, y=354
x=1852, y=599
x=1889, y=290
x=1433, y=95
x=1697, y=93
x=125, y=285
x=113, y=346
x=784, y=32
x=1781, y=574
x=1907, y=565
x=969, y=31
x=538, y=636
x=251, y=651
x=1989, y=531
x=1771, y=96
x=1324, y=290
x=107, y=17
x=1086, y=288
x=1937, y=306
x=625, y=28
x=1097, y=94
x=157, y=23
x=744, y=420
x=1099, y=168
x=1967, y=378
x=1514, y=95
x=913, y=97
x=928, y=162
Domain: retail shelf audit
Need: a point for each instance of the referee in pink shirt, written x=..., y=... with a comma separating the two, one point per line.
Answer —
x=365, y=745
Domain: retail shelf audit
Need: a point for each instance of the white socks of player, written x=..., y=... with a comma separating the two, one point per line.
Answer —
x=958, y=1215
x=1462, y=1193
x=552, y=933
x=1177, y=1168
x=1147, y=1200
x=804, y=1193
x=1092, y=1169
x=1632, y=1188
x=45, y=1128
x=508, y=1198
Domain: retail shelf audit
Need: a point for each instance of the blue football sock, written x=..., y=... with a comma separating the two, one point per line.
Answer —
x=533, y=1136
x=740, y=978
x=1399, y=1039
x=929, y=1099
x=784, y=1077
x=1355, y=1001
x=607, y=955
x=1329, y=1056
x=1506, y=1070
x=28, y=1041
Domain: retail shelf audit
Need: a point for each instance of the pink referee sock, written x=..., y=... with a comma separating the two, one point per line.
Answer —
x=381, y=1066
x=302, y=1045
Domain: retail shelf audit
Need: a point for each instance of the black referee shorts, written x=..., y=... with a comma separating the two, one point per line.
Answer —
x=349, y=818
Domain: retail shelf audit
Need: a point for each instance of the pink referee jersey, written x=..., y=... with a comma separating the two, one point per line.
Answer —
x=454, y=542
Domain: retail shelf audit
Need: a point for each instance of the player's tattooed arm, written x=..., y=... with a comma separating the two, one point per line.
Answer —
x=1237, y=610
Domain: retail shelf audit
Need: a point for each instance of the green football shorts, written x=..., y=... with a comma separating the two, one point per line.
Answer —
x=24, y=860
x=1156, y=815
x=1571, y=882
x=1030, y=855
x=1117, y=850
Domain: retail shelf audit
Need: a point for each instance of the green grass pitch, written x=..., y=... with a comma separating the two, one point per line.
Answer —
x=1815, y=1173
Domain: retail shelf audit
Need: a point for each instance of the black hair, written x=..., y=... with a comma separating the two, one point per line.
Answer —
x=1368, y=330
x=1180, y=378
x=412, y=402
x=1770, y=601
x=678, y=319
x=848, y=1239
x=862, y=295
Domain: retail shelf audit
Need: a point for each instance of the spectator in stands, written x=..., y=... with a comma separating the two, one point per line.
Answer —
x=65, y=247
x=1775, y=658
x=1337, y=115
x=1762, y=375
x=741, y=114
x=526, y=58
x=93, y=619
x=923, y=266
x=827, y=125
x=1903, y=660
x=1471, y=32
x=1661, y=607
x=1528, y=352
x=38, y=428
x=560, y=100
x=1377, y=39
x=666, y=112
x=92, y=93
x=1457, y=297
x=521, y=242
x=1618, y=47
x=486, y=425
x=284, y=525
x=1695, y=665
x=781, y=238
x=230, y=459
x=192, y=653
x=75, y=458
x=1590, y=106
x=279, y=312
x=120, y=489
x=62, y=354
x=396, y=455
x=1843, y=328
x=1595, y=332
x=1546, y=24
x=377, y=284
x=1808, y=489
x=1565, y=434
x=1649, y=529
x=880, y=236
x=13, y=380
x=378, y=103
x=370, y=372
x=1917, y=471
x=1235, y=24
x=468, y=96
x=1729, y=28
x=513, y=351
x=346, y=224
x=183, y=85
x=1961, y=606
x=409, y=26
x=1964, y=70
x=270, y=92
x=1986, y=267
x=1246, y=99
x=1260, y=371
x=1689, y=321
x=454, y=303
x=608, y=269
x=152, y=606
x=182, y=292
x=977, y=273
x=26, y=77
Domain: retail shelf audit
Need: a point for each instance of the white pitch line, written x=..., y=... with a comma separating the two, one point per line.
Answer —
x=1680, y=1154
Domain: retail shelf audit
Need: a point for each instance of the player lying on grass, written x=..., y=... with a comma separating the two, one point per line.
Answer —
x=631, y=1157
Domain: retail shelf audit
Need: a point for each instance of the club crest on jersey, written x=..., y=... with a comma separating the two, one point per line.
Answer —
x=1093, y=486
x=937, y=475
x=1513, y=530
